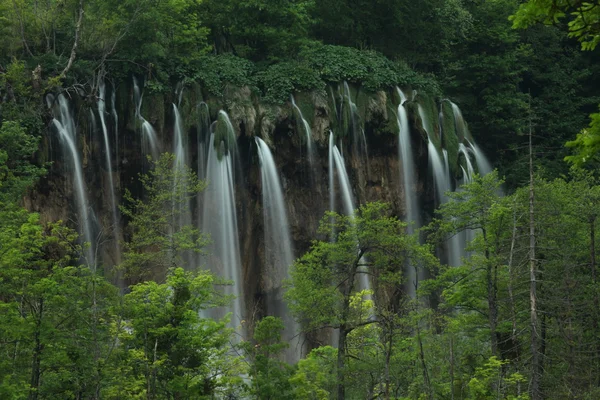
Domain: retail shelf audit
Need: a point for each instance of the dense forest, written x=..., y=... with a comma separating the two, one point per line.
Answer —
x=380, y=303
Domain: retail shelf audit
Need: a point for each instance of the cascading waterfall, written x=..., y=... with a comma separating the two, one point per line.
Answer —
x=115, y=115
x=413, y=214
x=65, y=125
x=483, y=165
x=179, y=164
x=278, y=245
x=219, y=219
x=359, y=139
x=337, y=164
x=149, y=141
x=113, y=200
x=307, y=132
x=441, y=175
x=442, y=185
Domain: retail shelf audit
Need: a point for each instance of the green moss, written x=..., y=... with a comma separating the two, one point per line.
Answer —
x=450, y=138
x=153, y=110
x=225, y=137
x=428, y=117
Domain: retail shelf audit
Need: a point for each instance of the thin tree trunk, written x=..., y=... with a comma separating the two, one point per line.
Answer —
x=596, y=301
x=535, y=356
x=341, y=363
x=491, y=292
x=37, y=355
x=426, y=380
x=513, y=313
x=75, y=42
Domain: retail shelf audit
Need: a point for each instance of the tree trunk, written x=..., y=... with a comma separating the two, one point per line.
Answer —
x=535, y=356
x=36, y=372
x=595, y=290
x=341, y=363
x=75, y=42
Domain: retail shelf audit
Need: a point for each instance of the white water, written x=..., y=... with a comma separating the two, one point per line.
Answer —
x=278, y=246
x=219, y=219
x=337, y=164
x=412, y=212
x=483, y=165
x=358, y=134
x=183, y=211
x=307, y=132
x=65, y=125
x=109, y=170
x=149, y=141
x=408, y=167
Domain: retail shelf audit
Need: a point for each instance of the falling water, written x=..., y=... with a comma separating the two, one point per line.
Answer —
x=115, y=115
x=278, y=246
x=149, y=141
x=442, y=185
x=65, y=125
x=219, y=219
x=358, y=133
x=113, y=201
x=336, y=163
x=178, y=140
x=179, y=165
x=408, y=166
x=441, y=175
x=483, y=165
x=307, y=132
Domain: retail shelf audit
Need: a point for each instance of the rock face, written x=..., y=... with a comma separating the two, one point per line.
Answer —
x=366, y=131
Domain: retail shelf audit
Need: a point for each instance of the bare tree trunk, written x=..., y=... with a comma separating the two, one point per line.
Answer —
x=75, y=42
x=36, y=361
x=513, y=313
x=535, y=356
x=594, y=281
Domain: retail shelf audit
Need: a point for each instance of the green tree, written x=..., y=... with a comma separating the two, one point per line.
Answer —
x=161, y=237
x=167, y=350
x=269, y=375
x=325, y=289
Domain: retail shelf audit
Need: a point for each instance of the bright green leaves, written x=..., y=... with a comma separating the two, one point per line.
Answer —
x=17, y=174
x=270, y=376
x=587, y=144
x=166, y=345
x=583, y=18
x=159, y=241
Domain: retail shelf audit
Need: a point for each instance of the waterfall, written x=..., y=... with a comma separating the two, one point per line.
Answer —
x=65, y=125
x=278, y=245
x=359, y=140
x=336, y=163
x=179, y=148
x=483, y=165
x=442, y=185
x=179, y=171
x=413, y=215
x=115, y=115
x=113, y=200
x=149, y=141
x=219, y=219
x=307, y=132
x=405, y=153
